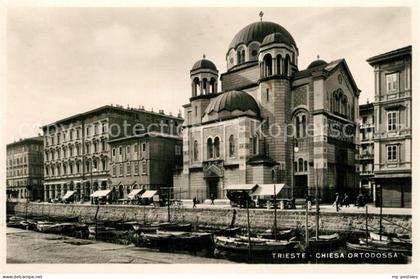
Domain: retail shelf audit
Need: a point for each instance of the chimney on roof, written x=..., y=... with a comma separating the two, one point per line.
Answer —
x=170, y=113
x=161, y=111
x=179, y=114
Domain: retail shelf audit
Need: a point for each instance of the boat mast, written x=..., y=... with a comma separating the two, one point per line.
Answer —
x=275, y=213
x=367, y=228
x=248, y=226
x=317, y=207
x=306, y=226
x=380, y=216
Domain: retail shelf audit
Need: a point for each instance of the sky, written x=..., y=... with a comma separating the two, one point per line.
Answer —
x=63, y=61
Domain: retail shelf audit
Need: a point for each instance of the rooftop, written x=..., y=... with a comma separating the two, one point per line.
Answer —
x=389, y=55
x=118, y=108
x=38, y=139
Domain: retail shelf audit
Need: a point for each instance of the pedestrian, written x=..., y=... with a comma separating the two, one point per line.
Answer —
x=194, y=202
x=346, y=200
x=212, y=199
x=337, y=201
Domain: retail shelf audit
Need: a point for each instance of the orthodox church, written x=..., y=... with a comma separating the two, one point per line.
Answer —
x=271, y=122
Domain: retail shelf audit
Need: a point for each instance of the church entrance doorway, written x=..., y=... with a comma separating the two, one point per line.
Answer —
x=212, y=188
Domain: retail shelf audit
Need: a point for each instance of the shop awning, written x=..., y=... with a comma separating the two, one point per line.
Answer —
x=100, y=193
x=134, y=193
x=240, y=187
x=68, y=195
x=148, y=194
x=268, y=189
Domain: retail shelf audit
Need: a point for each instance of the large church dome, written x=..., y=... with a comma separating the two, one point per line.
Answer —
x=257, y=31
x=231, y=103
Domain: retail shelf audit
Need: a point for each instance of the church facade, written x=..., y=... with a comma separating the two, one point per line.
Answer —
x=271, y=122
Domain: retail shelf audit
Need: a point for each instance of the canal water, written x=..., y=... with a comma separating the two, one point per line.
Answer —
x=337, y=254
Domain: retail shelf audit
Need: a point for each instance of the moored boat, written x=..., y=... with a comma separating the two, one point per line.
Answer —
x=281, y=234
x=196, y=243
x=378, y=248
x=261, y=249
x=324, y=242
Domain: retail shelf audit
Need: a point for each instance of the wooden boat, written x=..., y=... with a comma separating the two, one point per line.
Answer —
x=173, y=241
x=101, y=230
x=281, y=234
x=48, y=227
x=261, y=249
x=324, y=242
x=16, y=222
x=128, y=226
x=28, y=224
x=170, y=226
x=63, y=219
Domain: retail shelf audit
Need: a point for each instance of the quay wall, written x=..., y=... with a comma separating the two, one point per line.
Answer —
x=260, y=219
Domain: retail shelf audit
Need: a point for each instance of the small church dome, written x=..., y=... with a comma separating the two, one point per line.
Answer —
x=276, y=38
x=317, y=63
x=232, y=101
x=204, y=64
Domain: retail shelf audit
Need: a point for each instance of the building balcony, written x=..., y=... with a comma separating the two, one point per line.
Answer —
x=392, y=166
x=367, y=126
x=393, y=96
x=393, y=134
x=366, y=156
x=366, y=173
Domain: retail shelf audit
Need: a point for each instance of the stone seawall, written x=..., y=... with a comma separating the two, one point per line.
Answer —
x=219, y=217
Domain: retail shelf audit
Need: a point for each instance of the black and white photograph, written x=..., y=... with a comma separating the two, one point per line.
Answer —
x=261, y=135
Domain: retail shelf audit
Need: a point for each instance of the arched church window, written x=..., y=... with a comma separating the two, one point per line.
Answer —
x=306, y=166
x=212, y=85
x=204, y=86
x=255, y=145
x=209, y=148
x=268, y=63
x=279, y=60
x=286, y=65
x=195, y=151
x=243, y=56
x=300, y=165
x=196, y=86
x=231, y=146
x=303, y=126
x=217, y=147
x=297, y=127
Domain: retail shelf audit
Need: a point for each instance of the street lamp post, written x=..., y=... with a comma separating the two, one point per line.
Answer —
x=295, y=150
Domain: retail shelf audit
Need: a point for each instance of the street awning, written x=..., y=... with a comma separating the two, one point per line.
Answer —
x=240, y=187
x=134, y=193
x=100, y=193
x=268, y=189
x=68, y=195
x=148, y=194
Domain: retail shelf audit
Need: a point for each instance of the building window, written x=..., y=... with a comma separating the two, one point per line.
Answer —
x=300, y=165
x=121, y=169
x=143, y=146
x=306, y=166
x=209, y=148
x=104, y=164
x=114, y=170
x=95, y=147
x=392, y=121
x=87, y=148
x=127, y=149
x=136, y=168
x=392, y=82
x=77, y=167
x=128, y=171
x=301, y=126
x=103, y=146
x=120, y=150
x=267, y=95
x=95, y=165
x=87, y=167
x=144, y=167
x=255, y=143
x=104, y=128
x=195, y=151
x=231, y=146
x=392, y=152
x=113, y=152
x=177, y=150
x=78, y=133
x=217, y=147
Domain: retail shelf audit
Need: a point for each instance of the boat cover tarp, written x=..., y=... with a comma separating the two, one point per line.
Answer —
x=100, y=193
